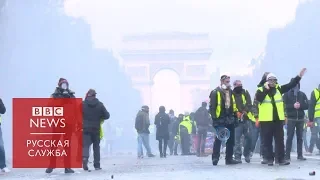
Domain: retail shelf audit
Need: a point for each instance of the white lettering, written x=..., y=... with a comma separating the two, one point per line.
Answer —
x=36, y=111
x=58, y=111
x=47, y=111
x=47, y=122
x=47, y=152
x=48, y=143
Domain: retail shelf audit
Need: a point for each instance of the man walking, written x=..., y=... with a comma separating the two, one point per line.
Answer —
x=142, y=124
x=3, y=166
x=203, y=121
x=296, y=103
x=94, y=113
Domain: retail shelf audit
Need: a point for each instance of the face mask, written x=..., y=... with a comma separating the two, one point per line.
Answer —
x=223, y=86
x=238, y=89
x=64, y=86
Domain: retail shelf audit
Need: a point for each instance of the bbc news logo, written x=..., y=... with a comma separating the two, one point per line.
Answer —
x=41, y=135
x=47, y=111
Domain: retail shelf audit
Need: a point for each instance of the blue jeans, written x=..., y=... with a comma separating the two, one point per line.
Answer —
x=2, y=152
x=143, y=138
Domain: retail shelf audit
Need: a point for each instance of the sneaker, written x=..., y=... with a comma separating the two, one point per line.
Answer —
x=97, y=168
x=264, y=161
x=151, y=155
x=233, y=161
x=247, y=159
x=301, y=158
x=238, y=160
x=270, y=162
x=49, y=170
x=284, y=162
x=68, y=170
x=5, y=170
x=215, y=162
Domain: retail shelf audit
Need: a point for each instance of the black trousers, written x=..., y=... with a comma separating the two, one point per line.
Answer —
x=91, y=138
x=202, y=136
x=185, y=142
x=171, y=143
x=294, y=126
x=272, y=130
x=229, y=144
x=163, y=144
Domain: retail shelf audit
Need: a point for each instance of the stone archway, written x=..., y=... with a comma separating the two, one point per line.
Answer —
x=165, y=90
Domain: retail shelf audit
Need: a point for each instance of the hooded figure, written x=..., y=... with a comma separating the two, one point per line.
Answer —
x=162, y=121
x=63, y=91
x=94, y=113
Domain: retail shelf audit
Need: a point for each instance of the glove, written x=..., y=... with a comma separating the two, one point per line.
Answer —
x=239, y=114
x=257, y=123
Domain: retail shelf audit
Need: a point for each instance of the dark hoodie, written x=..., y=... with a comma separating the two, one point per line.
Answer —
x=202, y=116
x=260, y=95
x=94, y=112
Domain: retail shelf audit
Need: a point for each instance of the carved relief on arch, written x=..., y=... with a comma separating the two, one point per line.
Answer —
x=156, y=67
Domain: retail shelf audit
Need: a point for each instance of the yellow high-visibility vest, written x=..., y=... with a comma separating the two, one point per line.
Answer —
x=317, y=107
x=186, y=122
x=218, y=109
x=101, y=130
x=250, y=115
x=266, y=108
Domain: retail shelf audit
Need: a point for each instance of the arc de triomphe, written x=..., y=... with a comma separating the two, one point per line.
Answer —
x=144, y=55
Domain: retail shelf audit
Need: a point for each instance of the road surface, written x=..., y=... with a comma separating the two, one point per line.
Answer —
x=176, y=168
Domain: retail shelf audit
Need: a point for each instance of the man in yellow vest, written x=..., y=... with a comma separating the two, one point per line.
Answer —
x=272, y=116
x=314, y=118
x=223, y=112
x=244, y=106
x=3, y=167
x=185, y=130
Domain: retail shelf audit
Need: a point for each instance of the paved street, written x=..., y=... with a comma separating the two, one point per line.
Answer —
x=176, y=168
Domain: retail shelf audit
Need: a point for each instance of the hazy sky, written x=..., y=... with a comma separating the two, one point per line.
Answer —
x=238, y=28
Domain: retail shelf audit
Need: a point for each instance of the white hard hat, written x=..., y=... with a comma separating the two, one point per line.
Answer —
x=271, y=76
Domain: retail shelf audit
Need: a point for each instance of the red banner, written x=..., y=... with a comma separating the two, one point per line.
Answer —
x=47, y=133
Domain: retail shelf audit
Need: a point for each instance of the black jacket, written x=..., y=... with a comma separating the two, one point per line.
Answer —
x=289, y=99
x=260, y=95
x=312, y=104
x=60, y=93
x=202, y=117
x=175, y=126
x=94, y=112
x=247, y=107
x=2, y=107
x=227, y=116
x=162, y=121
